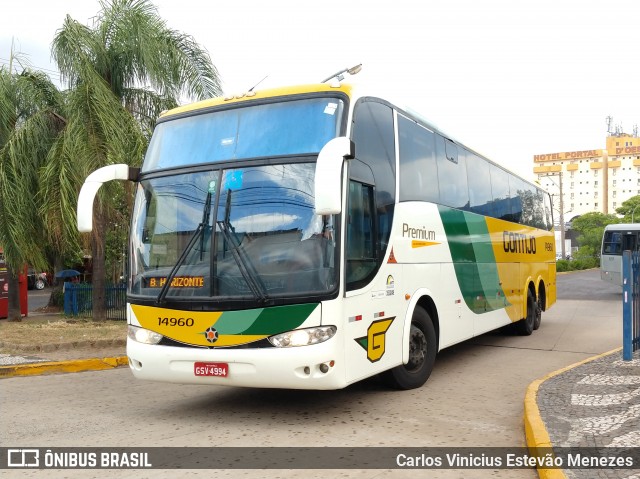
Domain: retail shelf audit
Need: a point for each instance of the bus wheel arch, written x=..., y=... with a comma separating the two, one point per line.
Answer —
x=420, y=346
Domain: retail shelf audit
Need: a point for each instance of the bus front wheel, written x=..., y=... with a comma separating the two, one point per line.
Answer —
x=422, y=354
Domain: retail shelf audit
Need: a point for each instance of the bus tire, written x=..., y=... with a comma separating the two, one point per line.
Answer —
x=537, y=319
x=525, y=326
x=422, y=354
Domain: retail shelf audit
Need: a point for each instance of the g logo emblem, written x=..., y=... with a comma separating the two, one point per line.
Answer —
x=374, y=341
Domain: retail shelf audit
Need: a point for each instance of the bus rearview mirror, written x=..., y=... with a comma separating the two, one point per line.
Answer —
x=328, y=177
x=91, y=186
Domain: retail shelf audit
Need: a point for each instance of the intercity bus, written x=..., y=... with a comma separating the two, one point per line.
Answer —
x=310, y=237
x=616, y=239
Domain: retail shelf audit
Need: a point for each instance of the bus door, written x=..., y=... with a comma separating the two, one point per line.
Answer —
x=372, y=308
x=630, y=241
x=374, y=327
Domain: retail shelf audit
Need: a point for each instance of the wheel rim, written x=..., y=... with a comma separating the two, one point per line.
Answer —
x=417, y=349
x=537, y=315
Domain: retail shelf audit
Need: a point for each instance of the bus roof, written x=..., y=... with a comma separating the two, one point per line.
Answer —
x=623, y=227
x=258, y=94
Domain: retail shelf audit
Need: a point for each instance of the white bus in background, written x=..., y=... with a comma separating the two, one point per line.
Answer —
x=616, y=239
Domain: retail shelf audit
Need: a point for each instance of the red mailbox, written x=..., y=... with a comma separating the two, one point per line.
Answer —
x=4, y=290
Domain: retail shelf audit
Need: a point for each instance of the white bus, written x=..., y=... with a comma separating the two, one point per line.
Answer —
x=616, y=239
x=313, y=236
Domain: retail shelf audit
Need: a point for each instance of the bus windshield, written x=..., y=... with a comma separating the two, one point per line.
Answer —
x=258, y=221
x=265, y=130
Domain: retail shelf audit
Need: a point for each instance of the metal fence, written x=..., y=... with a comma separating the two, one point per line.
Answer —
x=78, y=301
x=631, y=303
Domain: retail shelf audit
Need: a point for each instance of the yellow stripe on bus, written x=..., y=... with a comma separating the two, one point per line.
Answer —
x=421, y=244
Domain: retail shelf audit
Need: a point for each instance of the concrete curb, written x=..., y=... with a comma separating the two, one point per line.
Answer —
x=534, y=428
x=58, y=367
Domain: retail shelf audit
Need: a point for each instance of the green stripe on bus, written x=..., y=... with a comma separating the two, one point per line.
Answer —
x=281, y=318
x=473, y=260
x=237, y=322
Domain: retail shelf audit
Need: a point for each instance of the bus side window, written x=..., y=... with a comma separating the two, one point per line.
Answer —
x=516, y=187
x=479, y=176
x=360, y=251
x=452, y=174
x=418, y=169
x=617, y=243
x=612, y=243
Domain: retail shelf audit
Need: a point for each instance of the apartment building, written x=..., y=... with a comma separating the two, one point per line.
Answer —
x=592, y=180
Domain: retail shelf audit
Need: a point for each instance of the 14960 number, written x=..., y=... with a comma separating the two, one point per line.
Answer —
x=175, y=321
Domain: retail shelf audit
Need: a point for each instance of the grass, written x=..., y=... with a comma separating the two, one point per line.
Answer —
x=42, y=334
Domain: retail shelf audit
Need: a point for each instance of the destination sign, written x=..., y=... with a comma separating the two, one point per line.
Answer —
x=177, y=282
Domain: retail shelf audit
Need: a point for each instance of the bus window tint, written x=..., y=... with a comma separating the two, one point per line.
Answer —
x=539, y=216
x=629, y=242
x=360, y=253
x=452, y=174
x=374, y=139
x=272, y=129
x=532, y=213
x=418, y=170
x=480, y=198
x=612, y=243
x=548, y=210
x=516, y=187
x=500, y=193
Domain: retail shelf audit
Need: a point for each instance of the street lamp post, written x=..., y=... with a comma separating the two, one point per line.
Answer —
x=633, y=212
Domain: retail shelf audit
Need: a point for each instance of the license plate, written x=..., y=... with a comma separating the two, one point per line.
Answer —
x=211, y=369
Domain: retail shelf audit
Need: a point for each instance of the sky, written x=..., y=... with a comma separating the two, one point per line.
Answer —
x=508, y=79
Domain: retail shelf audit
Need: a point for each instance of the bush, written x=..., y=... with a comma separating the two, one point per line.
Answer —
x=563, y=265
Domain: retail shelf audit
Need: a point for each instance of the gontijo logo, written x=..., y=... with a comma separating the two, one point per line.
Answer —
x=518, y=243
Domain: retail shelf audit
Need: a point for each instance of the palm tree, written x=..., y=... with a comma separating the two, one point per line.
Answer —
x=30, y=119
x=121, y=74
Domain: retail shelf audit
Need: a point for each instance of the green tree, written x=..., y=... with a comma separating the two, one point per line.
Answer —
x=121, y=74
x=590, y=227
x=629, y=211
x=30, y=119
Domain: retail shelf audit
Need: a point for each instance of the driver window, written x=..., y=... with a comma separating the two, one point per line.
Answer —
x=361, y=244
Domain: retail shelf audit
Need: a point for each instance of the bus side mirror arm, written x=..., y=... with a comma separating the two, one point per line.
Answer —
x=91, y=186
x=328, y=177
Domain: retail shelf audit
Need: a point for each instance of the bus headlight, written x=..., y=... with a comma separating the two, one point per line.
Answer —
x=303, y=337
x=144, y=336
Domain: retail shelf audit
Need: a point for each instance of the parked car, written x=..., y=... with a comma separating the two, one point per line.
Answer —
x=36, y=280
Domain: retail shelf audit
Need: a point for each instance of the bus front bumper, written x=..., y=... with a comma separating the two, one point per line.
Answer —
x=307, y=367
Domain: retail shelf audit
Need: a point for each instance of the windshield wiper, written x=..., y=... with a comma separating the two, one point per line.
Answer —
x=199, y=232
x=244, y=264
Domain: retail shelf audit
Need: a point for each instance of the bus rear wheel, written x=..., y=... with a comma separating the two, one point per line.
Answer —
x=422, y=354
x=537, y=320
x=526, y=326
